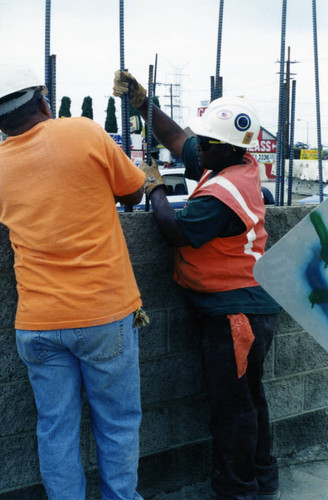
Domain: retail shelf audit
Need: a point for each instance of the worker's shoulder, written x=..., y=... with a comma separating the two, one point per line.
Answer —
x=80, y=122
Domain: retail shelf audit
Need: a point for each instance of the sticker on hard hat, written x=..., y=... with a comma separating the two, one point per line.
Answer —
x=242, y=122
x=224, y=114
x=247, y=138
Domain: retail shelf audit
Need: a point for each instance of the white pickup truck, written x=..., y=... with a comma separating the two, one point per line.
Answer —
x=178, y=188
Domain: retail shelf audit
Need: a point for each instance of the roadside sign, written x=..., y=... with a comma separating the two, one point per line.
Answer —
x=201, y=111
x=294, y=272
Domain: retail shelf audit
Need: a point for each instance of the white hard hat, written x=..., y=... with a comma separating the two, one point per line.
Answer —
x=18, y=78
x=229, y=119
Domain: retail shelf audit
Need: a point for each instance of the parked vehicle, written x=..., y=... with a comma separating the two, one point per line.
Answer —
x=315, y=198
x=178, y=188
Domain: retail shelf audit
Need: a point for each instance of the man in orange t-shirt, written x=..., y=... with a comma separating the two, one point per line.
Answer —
x=60, y=181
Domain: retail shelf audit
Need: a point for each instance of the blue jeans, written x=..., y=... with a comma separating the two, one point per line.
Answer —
x=105, y=359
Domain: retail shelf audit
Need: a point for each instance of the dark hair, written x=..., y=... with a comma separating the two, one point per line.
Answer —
x=19, y=116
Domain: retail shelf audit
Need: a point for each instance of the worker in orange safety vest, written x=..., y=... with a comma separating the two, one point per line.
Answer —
x=218, y=236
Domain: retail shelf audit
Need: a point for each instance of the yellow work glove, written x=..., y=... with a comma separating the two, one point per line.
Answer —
x=124, y=83
x=153, y=177
x=140, y=318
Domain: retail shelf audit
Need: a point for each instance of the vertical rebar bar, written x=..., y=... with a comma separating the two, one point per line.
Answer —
x=125, y=105
x=281, y=115
x=317, y=94
x=149, y=123
x=291, y=144
x=212, y=87
x=155, y=75
x=217, y=88
x=53, y=85
x=47, y=46
x=150, y=114
x=283, y=149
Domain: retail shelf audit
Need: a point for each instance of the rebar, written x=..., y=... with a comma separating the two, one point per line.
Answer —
x=47, y=46
x=317, y=97
x=283, y=149
x=149, y=123
x=212, y=87
x=291, y=144
x=150, y=114
x=217, y=89
x=281, y=115
x=53, y=85
x=125, y=105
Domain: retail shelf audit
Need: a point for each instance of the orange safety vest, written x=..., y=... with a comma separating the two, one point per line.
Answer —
x=224, y=264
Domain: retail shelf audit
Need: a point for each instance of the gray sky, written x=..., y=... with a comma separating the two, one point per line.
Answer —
x=85, y=39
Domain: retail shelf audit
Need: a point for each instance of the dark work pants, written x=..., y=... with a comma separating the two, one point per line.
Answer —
x=242, y=464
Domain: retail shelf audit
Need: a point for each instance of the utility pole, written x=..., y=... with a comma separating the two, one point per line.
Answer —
x=287, y=86
x=171, y=96
x=177, y=97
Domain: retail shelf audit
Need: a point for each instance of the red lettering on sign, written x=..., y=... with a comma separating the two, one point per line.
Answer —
x=201, y=111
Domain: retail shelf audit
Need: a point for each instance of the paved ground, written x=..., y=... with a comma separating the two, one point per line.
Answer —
x=297, y=482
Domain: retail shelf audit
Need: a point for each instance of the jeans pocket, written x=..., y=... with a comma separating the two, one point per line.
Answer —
x=30, y=347
x=102, y=343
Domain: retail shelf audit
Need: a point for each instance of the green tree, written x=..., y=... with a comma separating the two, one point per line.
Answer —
x=65, y=107
x=111, y=122
x=87, y=107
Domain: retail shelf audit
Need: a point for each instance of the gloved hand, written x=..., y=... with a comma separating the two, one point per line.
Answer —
x=140, y=318
x=124, y=83
x=153, y=177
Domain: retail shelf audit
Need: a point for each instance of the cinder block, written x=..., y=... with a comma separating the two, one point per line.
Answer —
x=298, y=352
x=170, y=378
x=157, y=288
x=285, y=397
x=171, y=470
x=87, y=445
x=35, y=492
x=154, y=431
x=144, y=240
x=184, y=330
x=316, y=393
x=189, y=421
x=19, y=461
x=8, y=300
x=292, y=435
x=287, y=324
x=6, y=254
x=93, y=485
x=280, y=220
x=153, y=337
x=174, y=405
x=11, y=366
x=268, y=367
x=18, y=412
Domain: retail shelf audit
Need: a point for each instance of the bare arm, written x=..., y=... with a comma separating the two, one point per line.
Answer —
x=130, y=199
x=164, y=215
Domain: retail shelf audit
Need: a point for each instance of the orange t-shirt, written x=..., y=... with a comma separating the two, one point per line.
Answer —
x=57, y=186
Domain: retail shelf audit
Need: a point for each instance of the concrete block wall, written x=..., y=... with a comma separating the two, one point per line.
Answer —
x=174, y=438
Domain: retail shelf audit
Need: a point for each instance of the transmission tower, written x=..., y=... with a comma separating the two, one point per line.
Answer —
x=177, y=97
